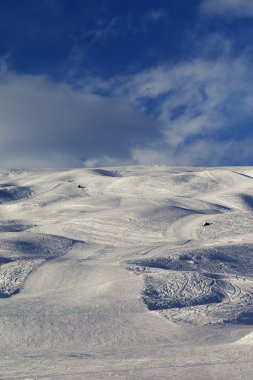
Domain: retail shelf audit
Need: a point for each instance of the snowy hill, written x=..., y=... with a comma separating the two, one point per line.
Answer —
x=128, y=272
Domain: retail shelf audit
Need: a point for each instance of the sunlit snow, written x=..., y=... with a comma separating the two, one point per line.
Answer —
x=139, y=272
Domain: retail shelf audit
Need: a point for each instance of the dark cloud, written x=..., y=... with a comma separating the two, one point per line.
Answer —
x=43, y=123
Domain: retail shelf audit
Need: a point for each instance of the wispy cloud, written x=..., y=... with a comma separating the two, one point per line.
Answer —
x=228, y=8
x=155, y=14
x=109, y=28
x=203, y=107
x=196, y=112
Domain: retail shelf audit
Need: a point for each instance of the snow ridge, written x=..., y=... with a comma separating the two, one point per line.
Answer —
x=121, y=265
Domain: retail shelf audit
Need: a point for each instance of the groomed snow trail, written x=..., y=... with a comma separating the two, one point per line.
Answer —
x=112, y=273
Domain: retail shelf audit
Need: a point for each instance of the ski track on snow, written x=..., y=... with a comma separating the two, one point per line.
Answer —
x=111, y=273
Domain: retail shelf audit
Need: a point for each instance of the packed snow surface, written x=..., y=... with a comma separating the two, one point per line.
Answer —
x=126, y=273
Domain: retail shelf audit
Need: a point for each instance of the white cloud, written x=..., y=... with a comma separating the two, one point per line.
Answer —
x=43, y=123
x=228, y=8
x=203, y=108
x=204, y=152
x=198, y=112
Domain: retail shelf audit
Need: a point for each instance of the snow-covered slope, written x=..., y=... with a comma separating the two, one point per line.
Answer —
x=129, y=273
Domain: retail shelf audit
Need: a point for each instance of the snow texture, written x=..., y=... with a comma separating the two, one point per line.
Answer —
x=139, y=272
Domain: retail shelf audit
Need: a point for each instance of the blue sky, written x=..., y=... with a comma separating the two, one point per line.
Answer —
x=96, y=83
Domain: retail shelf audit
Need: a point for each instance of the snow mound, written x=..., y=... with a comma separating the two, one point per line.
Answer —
x=23, y=254
x=180, y=290
x=149, y=266
x=247, y=339
x=14, y=226
x=106, y=173
x=14, y=274
x=221, y=278
x=12, y=192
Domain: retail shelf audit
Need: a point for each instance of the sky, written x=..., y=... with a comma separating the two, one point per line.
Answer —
x=87, y=83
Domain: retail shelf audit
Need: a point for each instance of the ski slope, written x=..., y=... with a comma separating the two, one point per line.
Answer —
x=139, y=272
